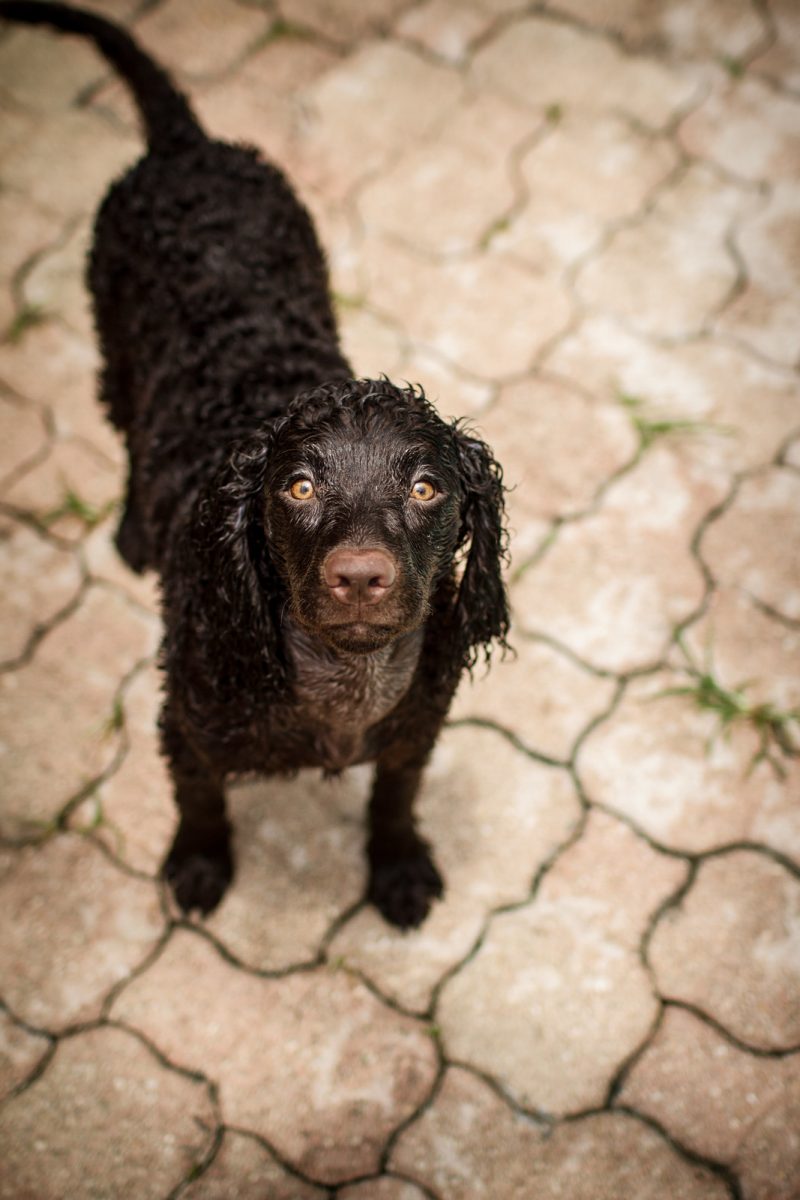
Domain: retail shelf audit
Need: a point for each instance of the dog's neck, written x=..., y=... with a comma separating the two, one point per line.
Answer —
x=342, y=695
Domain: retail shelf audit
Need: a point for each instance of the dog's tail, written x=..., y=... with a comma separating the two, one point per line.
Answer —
x=168, y=120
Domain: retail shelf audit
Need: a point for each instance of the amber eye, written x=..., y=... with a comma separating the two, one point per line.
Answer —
x=422, y=490
x=302, y=489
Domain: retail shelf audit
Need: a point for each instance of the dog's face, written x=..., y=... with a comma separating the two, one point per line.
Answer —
x=363, y=514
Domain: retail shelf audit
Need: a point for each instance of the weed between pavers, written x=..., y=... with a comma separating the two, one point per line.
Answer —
x=731, y=706
x=651, y=426
x=73, y=505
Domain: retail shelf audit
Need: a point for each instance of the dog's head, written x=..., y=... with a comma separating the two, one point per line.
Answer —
x=359, y=501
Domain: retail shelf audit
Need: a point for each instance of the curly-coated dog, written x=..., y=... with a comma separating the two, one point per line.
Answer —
x=330, y=549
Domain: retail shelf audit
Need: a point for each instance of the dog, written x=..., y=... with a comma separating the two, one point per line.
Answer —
x=330, y=549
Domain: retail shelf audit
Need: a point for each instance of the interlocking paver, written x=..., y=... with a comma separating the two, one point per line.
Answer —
x=696, y=28
x=88, y=936
x=669, y=273
x=69, y=686
x=39, y=581
x=20, y=1053
x=665, y=763
x=732, y=948
x=707, y=382
x=514, y=814
x=312, y=1061
x=764, y=315
x=243, y=1169
x=746, y=547
x=613, y=585
x=57, y=1138
x=470, y=1144
x=571, y=964
x=722, y=1103
x=544, y=62
x=577, y=225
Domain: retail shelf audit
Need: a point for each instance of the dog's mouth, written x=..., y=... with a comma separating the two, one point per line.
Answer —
x=357, y=637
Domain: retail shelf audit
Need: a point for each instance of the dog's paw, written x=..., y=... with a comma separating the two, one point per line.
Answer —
x=198, y=878
x=403, y=888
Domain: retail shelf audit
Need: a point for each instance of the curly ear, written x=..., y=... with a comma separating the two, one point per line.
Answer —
x=482, y=604
x=233, y=618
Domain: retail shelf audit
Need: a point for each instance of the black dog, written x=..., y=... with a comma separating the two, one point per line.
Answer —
x=308, y=526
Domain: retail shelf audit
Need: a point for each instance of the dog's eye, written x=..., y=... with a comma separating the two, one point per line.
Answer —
x=302, y=489
x=422, y=490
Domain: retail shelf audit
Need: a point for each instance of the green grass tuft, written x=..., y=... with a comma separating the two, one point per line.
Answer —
x=651, y=426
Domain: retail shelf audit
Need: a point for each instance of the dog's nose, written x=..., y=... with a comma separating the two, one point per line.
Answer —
x=359, y=576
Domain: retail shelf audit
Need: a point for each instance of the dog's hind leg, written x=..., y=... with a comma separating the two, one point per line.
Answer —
x=199, y=865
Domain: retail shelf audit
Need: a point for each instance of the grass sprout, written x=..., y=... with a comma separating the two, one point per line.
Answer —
x=651, y=426
x=775, y=727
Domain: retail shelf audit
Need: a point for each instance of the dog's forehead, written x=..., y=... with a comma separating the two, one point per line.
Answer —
x=383, y=445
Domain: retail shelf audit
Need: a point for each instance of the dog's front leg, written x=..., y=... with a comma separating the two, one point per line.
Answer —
x=199, y=865
x=403, y=878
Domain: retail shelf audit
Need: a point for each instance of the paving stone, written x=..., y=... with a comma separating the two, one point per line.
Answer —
x=542, y=63
x=56, y=710
x=341, y=20
x=310, y=1061
x=443, y=306
x=748, y=1117
x=732, y=948
x=20, y=1053
x=748, y=129
x=91, y=923
x=105, y=1119
x=746, y=546
x=489, y=856
x=539, y=694
x=39, y=580
x=454, y=395
x=244, y=1170
x=613, y=586
x=200, y=37
x=33, y=230
x=43, y=165
x=138, y=814
x=583, y=155
x=382, y=1189
x=765, y=315
x=46, y=71
x=24, y=437
x=695, y=28
x=299, y=866
x=405, y=96
x=446, y=27
x=469, y=1143
x=706, y=381
x=57, y=368
x=527, y=1007
x=670, y=272
x=444, y=195
x=742, y=645
x=549, y=472
x=781, y=61
x=371, y=345
x=54, y=284
x=662, y=762
x=68, y=490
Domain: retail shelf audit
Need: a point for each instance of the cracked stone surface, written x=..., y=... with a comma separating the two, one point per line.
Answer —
x=575, y=225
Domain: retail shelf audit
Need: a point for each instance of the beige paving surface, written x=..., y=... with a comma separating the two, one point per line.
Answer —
x=579, y=223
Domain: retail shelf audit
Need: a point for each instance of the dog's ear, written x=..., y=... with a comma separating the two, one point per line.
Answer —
x=482, y=604
x=243, y=593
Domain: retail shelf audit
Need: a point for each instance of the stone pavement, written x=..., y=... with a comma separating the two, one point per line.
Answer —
x=577, y=222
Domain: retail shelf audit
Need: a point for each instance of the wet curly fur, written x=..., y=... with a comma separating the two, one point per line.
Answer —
x=223, y=371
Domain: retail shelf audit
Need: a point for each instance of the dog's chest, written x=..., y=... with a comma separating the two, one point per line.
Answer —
x=338, y=700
